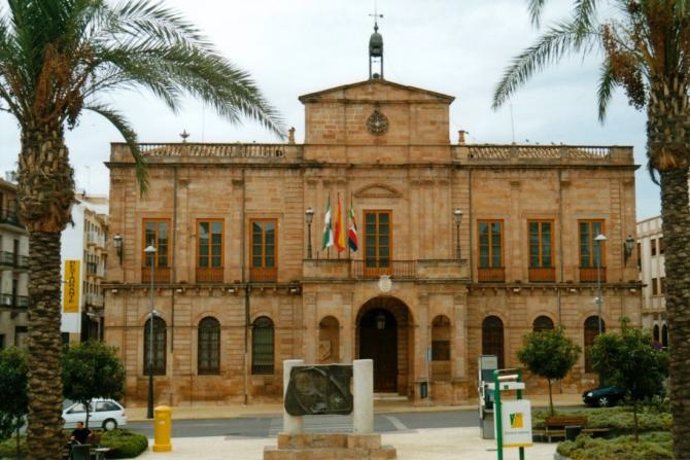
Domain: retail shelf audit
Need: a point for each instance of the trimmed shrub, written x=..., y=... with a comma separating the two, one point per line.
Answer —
x=124, y=443
x=651, y=446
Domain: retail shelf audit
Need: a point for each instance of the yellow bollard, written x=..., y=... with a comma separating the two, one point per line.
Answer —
x=162, y=429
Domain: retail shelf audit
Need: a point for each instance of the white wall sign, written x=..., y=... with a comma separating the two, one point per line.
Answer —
x=516, y=418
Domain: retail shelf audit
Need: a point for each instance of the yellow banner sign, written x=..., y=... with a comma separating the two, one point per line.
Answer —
x=70, y=298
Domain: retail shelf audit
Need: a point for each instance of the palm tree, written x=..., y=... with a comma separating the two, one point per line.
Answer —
x=646, y=49
x=56, y=58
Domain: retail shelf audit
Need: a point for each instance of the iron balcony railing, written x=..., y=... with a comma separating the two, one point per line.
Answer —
x=374, y=268
x=14, y=301
x=10, y=217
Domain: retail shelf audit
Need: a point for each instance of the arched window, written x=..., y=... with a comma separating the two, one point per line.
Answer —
x=159, y=344
x=492, y=338
x=542, y=323
x=329, y=340
x=209, y=347
x=656, y=333
x=591, y=333
x=262, y=346
x=664, y=336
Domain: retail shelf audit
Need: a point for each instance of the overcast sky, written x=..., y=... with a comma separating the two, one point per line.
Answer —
x=295, y=47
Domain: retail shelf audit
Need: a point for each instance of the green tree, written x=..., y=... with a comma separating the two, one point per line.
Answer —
x=630, y=361
x=549, y=354
x=13, y=380
x=92, y=370
x=57, y=57
x=645, y=46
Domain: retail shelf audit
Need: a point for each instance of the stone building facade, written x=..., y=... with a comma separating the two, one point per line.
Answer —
x=14, y=268
x=462, y=249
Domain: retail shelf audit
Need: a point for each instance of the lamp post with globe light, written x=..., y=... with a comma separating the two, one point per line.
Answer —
x=150, y=253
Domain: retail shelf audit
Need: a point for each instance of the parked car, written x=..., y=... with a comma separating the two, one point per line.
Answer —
x=603, y=396
x=104, y=413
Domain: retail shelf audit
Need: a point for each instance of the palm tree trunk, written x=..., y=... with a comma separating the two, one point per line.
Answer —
x=45, y=194
x=675, y=214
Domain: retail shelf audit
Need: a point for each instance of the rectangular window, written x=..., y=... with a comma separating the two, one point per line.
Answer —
x=264, y=250
x=156, y=235
x=490, y=242
x=652, y=243
x=662, y=285
x=661, y=245
x=655, y=286
x=378, y=241
x=209, y=251
x=592, y=251
x=541, y=263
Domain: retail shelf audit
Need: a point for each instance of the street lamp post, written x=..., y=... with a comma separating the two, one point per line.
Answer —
x=457, y=217
x=309, y=216
x=598, y=240
x=150, y=252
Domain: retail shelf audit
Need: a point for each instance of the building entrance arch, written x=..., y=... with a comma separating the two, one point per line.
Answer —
x=384, y=335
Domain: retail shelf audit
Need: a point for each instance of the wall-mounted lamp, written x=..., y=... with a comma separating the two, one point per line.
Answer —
x=309, y=217
x=231, y=290
x=628, y=246
x=516, y=289
x=294, y=290
x=380, y=321
x=114, y=290
x=457, y=217
x=117, y=241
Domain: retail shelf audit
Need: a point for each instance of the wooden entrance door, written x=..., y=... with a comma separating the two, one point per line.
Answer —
x=378, y=340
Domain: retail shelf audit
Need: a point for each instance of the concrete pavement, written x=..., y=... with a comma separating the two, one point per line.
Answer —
x=421, y=444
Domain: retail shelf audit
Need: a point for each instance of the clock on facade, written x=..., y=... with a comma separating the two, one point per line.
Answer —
x=377, y=123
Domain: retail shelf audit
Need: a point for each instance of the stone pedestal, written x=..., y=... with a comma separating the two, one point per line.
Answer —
x=329, y=446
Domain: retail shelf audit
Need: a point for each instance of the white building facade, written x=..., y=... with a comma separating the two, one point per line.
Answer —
x=84, y=256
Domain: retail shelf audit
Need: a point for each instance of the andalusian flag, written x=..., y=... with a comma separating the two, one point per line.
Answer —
x=327, y=227
x=339, y=228
x=352, y=231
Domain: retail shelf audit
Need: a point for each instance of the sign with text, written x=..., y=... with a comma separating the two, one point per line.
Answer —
x=70, y=297
x=516, y=417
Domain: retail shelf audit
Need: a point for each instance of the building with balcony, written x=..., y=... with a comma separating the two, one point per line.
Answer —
x=651, y=265
x=84, y=255
x=461, y=250
x=14, y=266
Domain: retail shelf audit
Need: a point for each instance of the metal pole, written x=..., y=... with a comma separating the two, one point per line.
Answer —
x=598, y=241
x=457, y=240
x=149, y=408
x=309, y=243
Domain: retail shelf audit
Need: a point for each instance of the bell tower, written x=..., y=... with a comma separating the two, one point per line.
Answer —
x=376, y=50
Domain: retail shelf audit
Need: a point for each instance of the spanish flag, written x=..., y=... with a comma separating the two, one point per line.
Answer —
x=339, y=240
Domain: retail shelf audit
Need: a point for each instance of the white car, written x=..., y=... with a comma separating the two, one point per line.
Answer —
x=104, y=413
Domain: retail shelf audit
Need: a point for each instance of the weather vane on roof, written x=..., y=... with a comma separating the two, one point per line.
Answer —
x=376, y=16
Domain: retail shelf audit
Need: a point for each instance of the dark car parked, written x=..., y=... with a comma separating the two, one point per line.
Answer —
x=603, y=396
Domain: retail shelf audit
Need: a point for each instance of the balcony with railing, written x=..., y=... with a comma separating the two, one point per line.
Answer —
x=12, y=260
x=95, y=239
x=491, y=275
x=209, y=274
x=263, y=274
x=95, y=300
x=542, y=274
x=589, y=274
x=161, y=275
x=374, y=269
x=14, y=301
x=10, y=217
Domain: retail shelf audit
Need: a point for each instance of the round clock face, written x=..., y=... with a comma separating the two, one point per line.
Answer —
x=377, y=123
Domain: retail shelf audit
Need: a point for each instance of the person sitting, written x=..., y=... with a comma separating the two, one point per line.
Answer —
x=80, y=434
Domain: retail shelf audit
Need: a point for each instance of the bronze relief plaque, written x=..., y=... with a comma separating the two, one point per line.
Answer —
x=319, y=390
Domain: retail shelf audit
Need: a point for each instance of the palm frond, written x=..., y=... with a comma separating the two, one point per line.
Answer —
x=557, y=42
x=119, y=122
x=607, y=83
